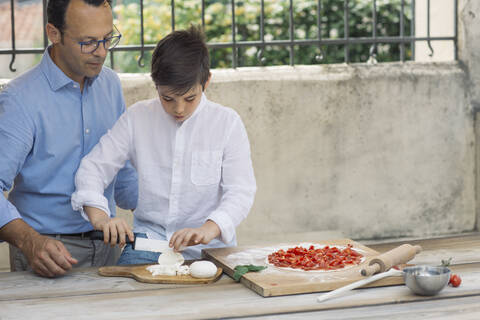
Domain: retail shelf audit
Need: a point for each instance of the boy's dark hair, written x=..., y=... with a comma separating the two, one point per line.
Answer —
x=181, y=60
x=56, y=10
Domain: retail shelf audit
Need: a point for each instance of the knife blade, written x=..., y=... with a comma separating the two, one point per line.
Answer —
x=143, y=244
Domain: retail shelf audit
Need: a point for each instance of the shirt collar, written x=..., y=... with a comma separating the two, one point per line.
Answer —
x=55, y=76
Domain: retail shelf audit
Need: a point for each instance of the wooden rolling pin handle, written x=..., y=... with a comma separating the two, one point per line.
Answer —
x=371, y=269
x=385, y=261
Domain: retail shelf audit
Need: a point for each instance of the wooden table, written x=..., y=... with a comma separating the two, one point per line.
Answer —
x=83, y=294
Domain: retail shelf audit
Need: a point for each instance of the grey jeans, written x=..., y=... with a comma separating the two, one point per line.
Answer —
x=89, y=253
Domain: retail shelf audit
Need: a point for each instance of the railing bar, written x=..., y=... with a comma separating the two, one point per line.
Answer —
x=428, y=29
x=455, y=24
x=142, y=42
x=412, y=27
x=299, y=42
x=402, y=45
x=374, y=19
x=260, y=43
x=291, y=35
x=172, y=19
x=45, y=20
x=319, y=30
x=346, y=31
x=203, y=15
x=112, y=65
x=260, y=57
x=12, y=17
x=234, y=40
x=373, y=48
x=319, y=20
x=262, y=20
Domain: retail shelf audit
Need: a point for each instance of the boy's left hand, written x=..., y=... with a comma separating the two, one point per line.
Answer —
x=193, y=236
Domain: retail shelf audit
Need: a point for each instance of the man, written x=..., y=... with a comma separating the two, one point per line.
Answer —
x=50, y=117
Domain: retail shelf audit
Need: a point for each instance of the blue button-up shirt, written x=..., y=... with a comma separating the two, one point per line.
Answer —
x=47, y=125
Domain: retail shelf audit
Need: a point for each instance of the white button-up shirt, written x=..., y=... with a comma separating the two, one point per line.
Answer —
x=188, y=172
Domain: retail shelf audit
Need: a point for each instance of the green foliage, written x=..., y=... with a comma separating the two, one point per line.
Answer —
x=218, y=29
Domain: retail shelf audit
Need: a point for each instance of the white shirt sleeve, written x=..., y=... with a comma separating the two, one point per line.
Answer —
x=238, y=183
x=98, y=169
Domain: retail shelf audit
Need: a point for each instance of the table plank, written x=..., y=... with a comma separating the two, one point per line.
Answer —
x=466, y=308
x=221, y=301
x=26, y=285
x=471, y=240
x=462, y=249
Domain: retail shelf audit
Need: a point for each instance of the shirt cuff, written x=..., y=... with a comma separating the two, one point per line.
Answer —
x=227, y=228
x=91, y=199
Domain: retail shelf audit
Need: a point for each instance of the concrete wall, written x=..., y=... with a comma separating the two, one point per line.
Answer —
x=370, y=151
x=469, y=56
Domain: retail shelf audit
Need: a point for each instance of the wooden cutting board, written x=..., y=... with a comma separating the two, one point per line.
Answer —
x=276, y=282
x=140, y=273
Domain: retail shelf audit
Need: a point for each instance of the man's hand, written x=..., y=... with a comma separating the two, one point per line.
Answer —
x=193, y=236
x=113, y=228
x=47, y=257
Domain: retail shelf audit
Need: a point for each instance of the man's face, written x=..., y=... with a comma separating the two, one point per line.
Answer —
x=83, y=22
x=180, y=107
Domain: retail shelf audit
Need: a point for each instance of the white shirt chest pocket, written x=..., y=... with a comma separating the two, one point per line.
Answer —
x=206, y=167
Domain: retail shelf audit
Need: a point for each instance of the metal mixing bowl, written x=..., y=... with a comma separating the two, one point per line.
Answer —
x=426, y=280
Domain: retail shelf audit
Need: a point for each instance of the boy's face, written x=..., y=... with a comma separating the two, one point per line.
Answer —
x=180, y=107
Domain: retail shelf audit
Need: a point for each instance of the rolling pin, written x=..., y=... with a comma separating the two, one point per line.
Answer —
x=385, y=261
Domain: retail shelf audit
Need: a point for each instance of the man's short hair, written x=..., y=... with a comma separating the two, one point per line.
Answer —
x=56, y=10
x=181, y=60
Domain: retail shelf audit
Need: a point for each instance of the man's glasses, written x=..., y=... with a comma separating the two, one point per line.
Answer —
x=108, y=43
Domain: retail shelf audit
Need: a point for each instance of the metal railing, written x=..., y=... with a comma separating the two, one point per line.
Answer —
x=374, y=40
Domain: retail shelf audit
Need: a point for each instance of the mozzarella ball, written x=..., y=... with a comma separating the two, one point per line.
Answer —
x=203, y=269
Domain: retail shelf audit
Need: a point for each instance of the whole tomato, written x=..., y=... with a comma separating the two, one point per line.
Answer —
x=455, y=280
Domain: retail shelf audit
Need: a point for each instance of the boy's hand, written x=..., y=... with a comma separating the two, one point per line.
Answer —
x=113, y=228
x=193, y=236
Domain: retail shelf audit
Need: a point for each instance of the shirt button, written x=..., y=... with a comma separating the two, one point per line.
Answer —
x=75, y=86
x=87, y=131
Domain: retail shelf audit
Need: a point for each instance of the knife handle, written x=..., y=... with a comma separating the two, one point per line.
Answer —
x=98, y=235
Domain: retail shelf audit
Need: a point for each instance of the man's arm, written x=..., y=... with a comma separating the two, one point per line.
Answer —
x=47, y=257
x=126, y=187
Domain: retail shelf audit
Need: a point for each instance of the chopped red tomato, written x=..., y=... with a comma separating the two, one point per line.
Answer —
x=326, y=258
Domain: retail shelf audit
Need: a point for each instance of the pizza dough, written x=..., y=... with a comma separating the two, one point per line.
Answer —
x=203, y=269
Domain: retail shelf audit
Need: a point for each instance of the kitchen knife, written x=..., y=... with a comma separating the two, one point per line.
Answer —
x=139, y=243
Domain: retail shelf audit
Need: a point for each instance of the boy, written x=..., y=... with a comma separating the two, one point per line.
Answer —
x=196, y=181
